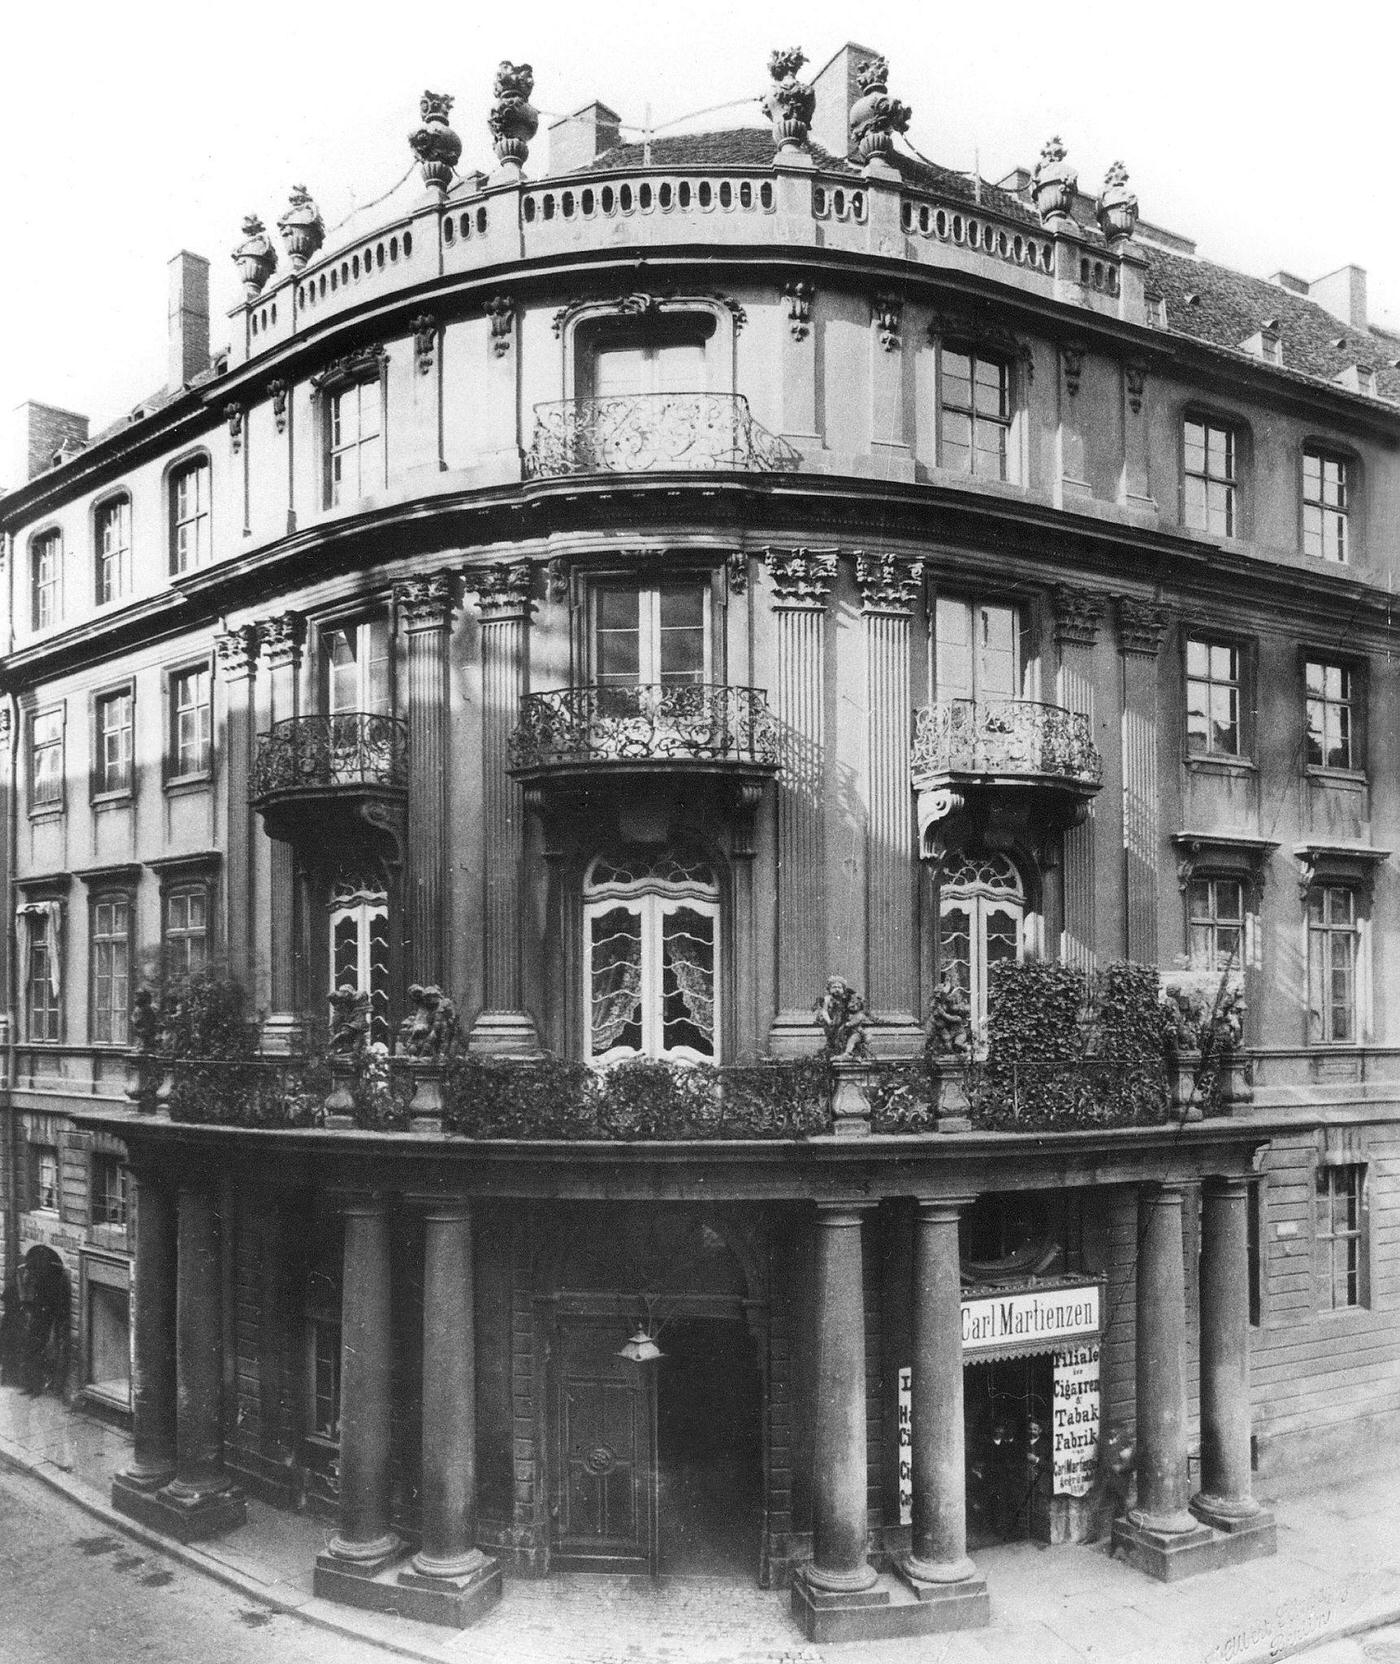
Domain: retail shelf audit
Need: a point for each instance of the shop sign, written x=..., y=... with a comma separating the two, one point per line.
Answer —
x=1075, y=1419
x=1031, y=1320
x=53, y=1233
x=906, y=1447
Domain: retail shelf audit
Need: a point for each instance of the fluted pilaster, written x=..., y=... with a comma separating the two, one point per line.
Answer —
x=1141, y=626
x=1078, y=614
x=237, y=653
x=281, y=639
x=425, y=609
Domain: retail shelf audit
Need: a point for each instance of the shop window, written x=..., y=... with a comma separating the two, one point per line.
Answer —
x=113, y=551
x=982, y=906
x=113, y=724
x=111, y=968
x=109, y=1191
x=651, y=929
x=188, y=743
x=1210, y=478
x=185, y=936
x=44, y=1193
x=974, y=418
x=46, y=580
x=46, y=760
x=1339, y=1237
x=1326, y=505
x=1334, y=965
x=41, y=938
x=978, y=650
x=106, y=1309
x=359, y=947
x=191, y=541
x=1331, y=715
x=1216, y=698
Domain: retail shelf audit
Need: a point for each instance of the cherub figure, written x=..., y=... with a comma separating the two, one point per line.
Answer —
x=145, y=1022
x=949, y=1020
x=831, y=1011
x=431, y=1028
x=349, y=1022
x=853, y=1039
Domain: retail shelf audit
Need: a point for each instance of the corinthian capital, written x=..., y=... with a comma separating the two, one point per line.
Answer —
x=425, y=603
x=888, y=582
x=1141, y=626
x=282, y=637
x=1078, y=614
x=502, y=592
x=237, y=652
x=801, y=577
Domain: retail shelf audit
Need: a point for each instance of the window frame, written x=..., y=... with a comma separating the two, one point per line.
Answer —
x=104, y=1162
x=196, y=462
x=52, y=1007
x=100, y=790
x=1237, y=434
x=366, y=368
x=1358, y=1274
x=979, y=898
x=1357, y=702
x=37, y=1150
x=103, y=558
x=584, y=322
x=118, y=1017
x=1006, y=364
x=1214, y=921
x=1026, y=664
x=360, y=624
x=181, y=872
x=57, y=804
x=48, y=539
x=1353, y=930
x=647, y=586
x=173, y=676
x=1326, y=451
x=1245, y=682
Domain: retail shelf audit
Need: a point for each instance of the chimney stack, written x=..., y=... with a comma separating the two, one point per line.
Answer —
x=836, y=90
x=575, y=140
x=40, y=432
x=189, y=318
x=1343, y=293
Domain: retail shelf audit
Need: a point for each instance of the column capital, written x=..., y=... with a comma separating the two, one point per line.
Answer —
x=433, y=1205
x=282, y=637
x=1159, y=1191
x=237, y=652
x=427, y=602
x=888, y=582
x=841, y=1215
x=943, y=1209
x=363, y=1204
x=1078, y=614
x=502, y=591
x=801, y=578
x=1141, y=626
x=1228, y=1184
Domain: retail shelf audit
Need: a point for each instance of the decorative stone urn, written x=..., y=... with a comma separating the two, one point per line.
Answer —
x=1117, y=207
x=1053, y=183
x=255, y=257
x=789, y=103
x=436, y=146
x=513, y=120
x=875, y=116
x=302, y=228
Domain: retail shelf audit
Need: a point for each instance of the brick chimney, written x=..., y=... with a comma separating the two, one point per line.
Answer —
x=575, y=140
x=189, y=318
x=39, y=433
x=1343, y=293
x=836, y=90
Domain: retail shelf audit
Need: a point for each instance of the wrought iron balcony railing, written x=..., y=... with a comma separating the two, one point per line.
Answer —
x=1004, y=739
x=640, y=433
x=646, y=723
x=313, y=754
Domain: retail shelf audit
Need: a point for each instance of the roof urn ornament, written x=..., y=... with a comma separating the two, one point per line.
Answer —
x=1117, y=207
x=255, y=256
x=436, y=146
x=513, y=120
x=1053, y=183
x=303, y=230
x=788, y=103
x=875, y=116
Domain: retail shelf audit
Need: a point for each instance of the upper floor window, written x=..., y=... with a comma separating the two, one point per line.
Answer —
x=1334, y=965
x=44, y=1177
x=113, y=574
x=188, y=745
x=109, y=1191
x=40, y=940
x=1331, y=715
x=190, y=537
x=185, y=933
x=356, y=663
x=1214, y=698
x=651, y=634
x=46, y=580
x=982, y=905
x=1339, y=1237
x=1211, y=480
x=111, y=968
x=658, y=356
x=113, y=723
x=1216, y=915
x=46, y=760
x=354, y=441
x=974, y=425
x=977, y=650
x=1326, y=505
x=651, y=927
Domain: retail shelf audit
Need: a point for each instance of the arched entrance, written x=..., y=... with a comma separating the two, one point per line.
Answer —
x=656, y=1467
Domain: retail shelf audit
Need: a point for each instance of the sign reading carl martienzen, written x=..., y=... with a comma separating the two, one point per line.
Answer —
x=1029, y=1320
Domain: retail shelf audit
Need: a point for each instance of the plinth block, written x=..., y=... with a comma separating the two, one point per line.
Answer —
x=397, y=1588
x=195, y=1521
x=1188, y=1553
x=890, y=1610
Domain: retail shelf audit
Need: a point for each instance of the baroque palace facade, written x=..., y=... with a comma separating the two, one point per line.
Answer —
x=625, y=599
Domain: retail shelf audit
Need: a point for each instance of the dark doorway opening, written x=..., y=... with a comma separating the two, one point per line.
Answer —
x=1010, y=1472
x=709, y=1448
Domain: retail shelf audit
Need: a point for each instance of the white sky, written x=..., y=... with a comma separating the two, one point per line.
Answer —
x=130, y=131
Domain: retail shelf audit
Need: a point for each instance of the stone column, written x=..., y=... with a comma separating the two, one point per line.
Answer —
x=153, y=1373
x=801, y=580
x=1078, y=614
x=364, y=1543
x=1161, y=1346
x=939, y=1553
x=503, y=598
x=1225, y=1496
x=425, y=611
x=199, y=1479
x=282, y=1029
x=889, y=586
x=839, y=1563
x=1141, y=626
x=237, y=652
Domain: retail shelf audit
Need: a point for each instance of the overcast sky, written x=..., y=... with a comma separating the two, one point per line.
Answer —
x=128, y=132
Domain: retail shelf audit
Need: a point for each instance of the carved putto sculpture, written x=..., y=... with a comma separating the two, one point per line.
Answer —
x=349, y=1022
x=1117, y=207
x=436, y=146
x=1054, y=182
x=145, y=1021
x=255, y=256
x=513, y=120
x=789, y=103
x=844, y=1020
x=875, y=116
x=303, y=230
x=429, y=1030
x=949, y=1021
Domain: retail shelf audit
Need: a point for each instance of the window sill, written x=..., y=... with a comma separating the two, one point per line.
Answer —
x=50, y=811
x=1219, y=762
x=1346, y=778
x=111, y=800
x=180, y=784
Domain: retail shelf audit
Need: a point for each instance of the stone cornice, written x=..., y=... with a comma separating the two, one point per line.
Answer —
x=502, y=591
x=801, y=578
x=888, y=583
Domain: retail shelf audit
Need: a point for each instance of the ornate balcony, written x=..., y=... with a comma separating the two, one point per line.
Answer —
x=642, y=433
x=1030, y=765
x=316, y=777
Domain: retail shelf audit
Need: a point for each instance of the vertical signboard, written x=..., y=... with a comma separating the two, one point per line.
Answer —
x=1076, y=1418
x=906, y=1447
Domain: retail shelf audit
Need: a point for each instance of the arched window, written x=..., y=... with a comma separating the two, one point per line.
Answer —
x=651, y=925
x=982, y=908
x=359, y=943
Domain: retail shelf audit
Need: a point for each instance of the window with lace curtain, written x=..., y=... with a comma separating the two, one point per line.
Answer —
x=651, y=926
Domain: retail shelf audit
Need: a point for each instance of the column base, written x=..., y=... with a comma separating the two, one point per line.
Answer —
x=890, y=1610
x=283, y=1033
x=921, y=1574
x=1225, y=1513
x=149, y=1477
x=455, y=1600
x=796, y=1034
x=191, y=1517
x=1179, y=1554
x=504, y=1034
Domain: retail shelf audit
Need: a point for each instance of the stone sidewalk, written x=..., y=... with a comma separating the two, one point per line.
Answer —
x=1337, y=1571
